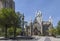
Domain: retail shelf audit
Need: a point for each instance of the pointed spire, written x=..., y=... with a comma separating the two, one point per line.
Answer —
x=38, y=13
x=50, y=19
x=35, y=13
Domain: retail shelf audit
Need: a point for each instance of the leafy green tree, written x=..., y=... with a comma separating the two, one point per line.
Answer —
x=10, y=31
x=8, y=18
x=56, y=31
x=52, y=31
x=18, y=31
x=58, y=28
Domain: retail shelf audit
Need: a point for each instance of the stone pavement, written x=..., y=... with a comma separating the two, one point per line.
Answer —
x=46, y=38
x=54, y=39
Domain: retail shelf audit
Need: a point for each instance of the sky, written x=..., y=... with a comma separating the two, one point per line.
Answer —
x=47, y=7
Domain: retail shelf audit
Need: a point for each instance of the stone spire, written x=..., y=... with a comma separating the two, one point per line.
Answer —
x=38, y=14
x=50, y=19
x=39, y=20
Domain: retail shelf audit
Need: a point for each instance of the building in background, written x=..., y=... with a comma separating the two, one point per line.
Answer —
x=7, y=4
x=39, y=26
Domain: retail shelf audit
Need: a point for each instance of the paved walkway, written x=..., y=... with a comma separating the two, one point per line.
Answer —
x=47, y=38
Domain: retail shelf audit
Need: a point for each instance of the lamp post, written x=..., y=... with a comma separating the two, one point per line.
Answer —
x=31, y=27
x=23, y=25
x=6, y=31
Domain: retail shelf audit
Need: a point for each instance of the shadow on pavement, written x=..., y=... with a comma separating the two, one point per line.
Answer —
x=47, y=39
x=19, y=38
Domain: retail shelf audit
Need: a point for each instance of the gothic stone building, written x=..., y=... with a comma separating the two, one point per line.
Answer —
x=38, y=26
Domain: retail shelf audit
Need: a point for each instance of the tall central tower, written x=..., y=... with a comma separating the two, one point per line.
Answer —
x=39, y=19
x=7, y=4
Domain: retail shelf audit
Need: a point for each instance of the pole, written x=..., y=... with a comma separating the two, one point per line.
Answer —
x=23, y=25
x=31, y=27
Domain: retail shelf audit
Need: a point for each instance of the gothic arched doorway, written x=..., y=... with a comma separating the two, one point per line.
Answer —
x=35, y=31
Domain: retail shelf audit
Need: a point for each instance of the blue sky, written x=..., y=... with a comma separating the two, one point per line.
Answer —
x=47, y=7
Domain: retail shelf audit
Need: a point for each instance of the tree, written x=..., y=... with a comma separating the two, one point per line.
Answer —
x=10, y=31
x=58, y=28
x=55, y=31
x=18, y=31
x=52, y=31
x=8, y=18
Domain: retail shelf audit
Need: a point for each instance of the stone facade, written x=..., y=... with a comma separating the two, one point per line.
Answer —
x=7, y=4
x=40, y=27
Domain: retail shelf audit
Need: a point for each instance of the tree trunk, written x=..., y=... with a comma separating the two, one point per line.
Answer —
x=5, y=31
x=14, y=32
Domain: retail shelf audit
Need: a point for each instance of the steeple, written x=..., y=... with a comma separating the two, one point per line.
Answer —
x=50, y=19
x=38, y=14
x=38, y=17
